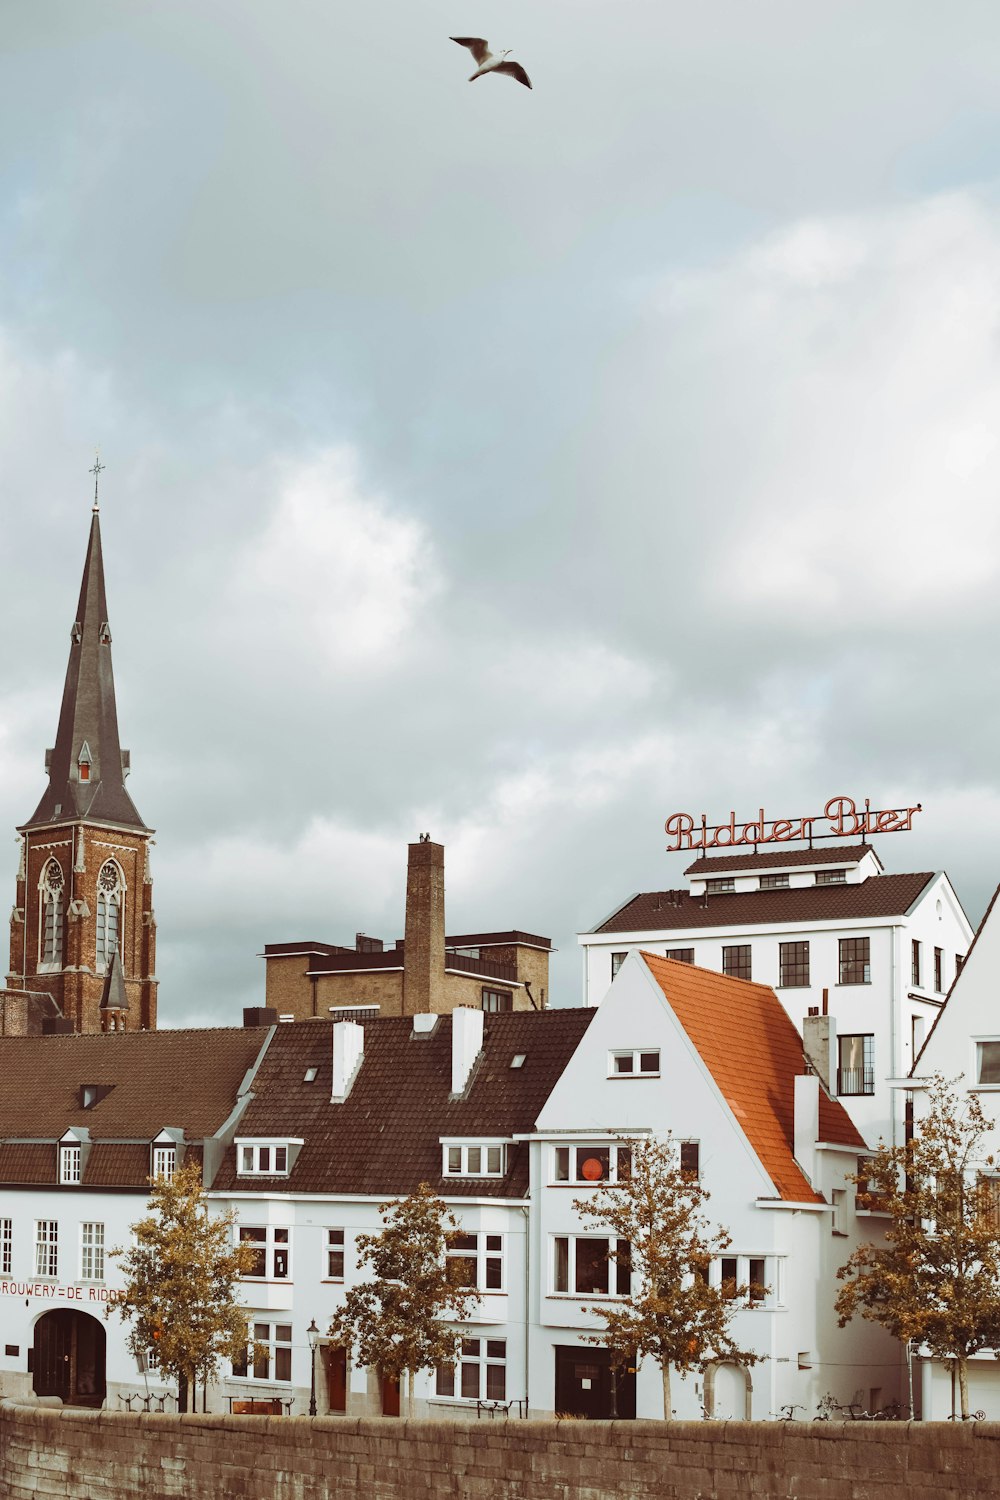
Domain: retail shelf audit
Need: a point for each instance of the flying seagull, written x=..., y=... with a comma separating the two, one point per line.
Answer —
x=488, y=62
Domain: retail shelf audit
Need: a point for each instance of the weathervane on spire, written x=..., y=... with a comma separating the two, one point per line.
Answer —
x=97, y=471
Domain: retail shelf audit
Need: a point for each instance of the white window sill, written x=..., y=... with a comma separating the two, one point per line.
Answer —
x=631, y=1077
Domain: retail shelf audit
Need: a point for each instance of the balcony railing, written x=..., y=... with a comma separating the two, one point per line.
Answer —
x=855, y=1080
x=487, y=967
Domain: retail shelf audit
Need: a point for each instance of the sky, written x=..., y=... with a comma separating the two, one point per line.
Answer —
x=520, y=467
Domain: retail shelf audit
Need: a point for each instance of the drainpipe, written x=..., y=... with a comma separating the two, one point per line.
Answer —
x=892, y=1031
x=526, y=1211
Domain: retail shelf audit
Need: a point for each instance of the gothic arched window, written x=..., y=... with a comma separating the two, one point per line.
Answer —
x=51, y=892
x=110, y=896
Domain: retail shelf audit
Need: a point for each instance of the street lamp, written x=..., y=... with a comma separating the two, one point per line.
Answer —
x=313, y=1333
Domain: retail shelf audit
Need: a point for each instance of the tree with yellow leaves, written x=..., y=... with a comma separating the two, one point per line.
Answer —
x=937, y=1278
x=181, y=1290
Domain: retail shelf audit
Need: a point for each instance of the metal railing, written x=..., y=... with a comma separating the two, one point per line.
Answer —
x=855, y=1081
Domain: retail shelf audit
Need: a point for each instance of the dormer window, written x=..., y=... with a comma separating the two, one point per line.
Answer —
x=481, y=1160
x=69, y=1164
x=723, y=886
x=831, y=877
x=164, y=1162
x=110, y=899
x=269, y=1160
x=83, y=762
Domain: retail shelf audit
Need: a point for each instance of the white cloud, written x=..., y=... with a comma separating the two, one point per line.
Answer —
x=336, y=572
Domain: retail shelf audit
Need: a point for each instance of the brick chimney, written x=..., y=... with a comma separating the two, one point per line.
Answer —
x=423, y=957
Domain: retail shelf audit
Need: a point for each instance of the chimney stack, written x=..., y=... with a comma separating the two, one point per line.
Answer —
x=348, y=1051
x=805, y=1127
x=423, y=954
x=819, y=1042
x=466, y=1044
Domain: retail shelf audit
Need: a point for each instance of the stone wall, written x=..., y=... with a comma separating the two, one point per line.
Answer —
x=84, y=1455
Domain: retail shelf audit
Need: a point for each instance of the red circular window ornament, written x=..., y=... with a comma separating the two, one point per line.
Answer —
x=592, y=1169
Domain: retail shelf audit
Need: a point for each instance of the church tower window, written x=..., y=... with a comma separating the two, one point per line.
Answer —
x=110, y=896
x=52, y=889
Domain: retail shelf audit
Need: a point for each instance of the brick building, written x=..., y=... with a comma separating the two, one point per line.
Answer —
x=425, y=971
x=82, y=929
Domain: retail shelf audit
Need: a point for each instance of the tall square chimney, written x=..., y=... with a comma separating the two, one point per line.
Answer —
x=423, y=955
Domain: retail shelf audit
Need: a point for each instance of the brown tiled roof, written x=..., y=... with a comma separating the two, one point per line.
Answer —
x=780, y=859
x=181, y=1078
x=750, y=1046
x=384, y=1139
x=117, y=1164
x=663, y=911
x=28, y=1163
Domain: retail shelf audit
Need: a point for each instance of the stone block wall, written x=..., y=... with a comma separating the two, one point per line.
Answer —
x=71, y=1454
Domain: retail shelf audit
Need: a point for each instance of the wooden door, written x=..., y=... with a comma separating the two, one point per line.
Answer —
x=390, y=1396
x=335, y=1364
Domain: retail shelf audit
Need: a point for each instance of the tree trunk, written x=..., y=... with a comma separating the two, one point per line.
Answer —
x=667, y=1412
x=409, y=1394
x=963, y=1385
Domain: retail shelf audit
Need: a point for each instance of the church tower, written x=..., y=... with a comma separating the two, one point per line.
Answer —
x=82, y=928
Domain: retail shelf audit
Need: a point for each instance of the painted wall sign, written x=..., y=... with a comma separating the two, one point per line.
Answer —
x=45, y=1289
x=841, y=819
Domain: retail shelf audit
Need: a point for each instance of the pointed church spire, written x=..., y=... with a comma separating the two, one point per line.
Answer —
x=113, y=996
x=87, y=768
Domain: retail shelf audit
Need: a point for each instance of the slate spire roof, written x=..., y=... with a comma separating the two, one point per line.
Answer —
x=113, y=996
x=87, y=742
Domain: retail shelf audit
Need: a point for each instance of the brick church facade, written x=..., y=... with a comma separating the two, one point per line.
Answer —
x=82, y=931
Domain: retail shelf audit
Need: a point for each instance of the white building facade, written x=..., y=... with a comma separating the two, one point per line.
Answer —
x=831, y=933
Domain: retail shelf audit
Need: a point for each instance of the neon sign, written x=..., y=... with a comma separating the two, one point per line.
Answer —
x=841, y=816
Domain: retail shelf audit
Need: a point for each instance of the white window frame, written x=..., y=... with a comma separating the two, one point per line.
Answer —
x=571, y=1154
x=619, y=1056
x=335, y=1248
x=473, y=1158
x=487, y=1254
x=70, y=1163
x=91, y=1251
x=164, y=1161
x=264, y=1158
x=265, y=1330
x=774, y=1278
x=977, y=1062
x=477, y=1357
x=47, y=1248
x=612, y=1246
x=275, y=1242
x=6, y=1246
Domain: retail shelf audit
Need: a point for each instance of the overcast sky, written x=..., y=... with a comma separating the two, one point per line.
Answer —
x=521, y=467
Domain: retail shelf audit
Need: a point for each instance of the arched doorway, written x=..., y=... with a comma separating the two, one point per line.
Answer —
x=68, y=1358
x=728, y=1392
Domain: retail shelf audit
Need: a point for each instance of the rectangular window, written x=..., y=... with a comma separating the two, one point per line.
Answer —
x=837, y=1222
x=585, y=1165
x=617, y=959
x=476, y=1260
x=918, y=1030
x=680, y=955
x=793, y=966
x=271, y=1251
x=759, y=1277
x=988, y=1062
x=690, y=1158
x=481, y=1374
x=69, y=1164
x=497, y=1000
x=6, y=1246
x=46, y=1247
x=91, y=1252
x=736, y=961
x=636, y=1063
x=831, y=877
x=720, y=887
x=270, y=1354
x=269, y=1161
x=915, y=963
x=938, y=970
x=334, y=1255
x=989, y=1199
x=475, y=1161
x=856, y=1064
x=164, y=1161
x=590, y=1267
x=774, y=882
x=855, y=961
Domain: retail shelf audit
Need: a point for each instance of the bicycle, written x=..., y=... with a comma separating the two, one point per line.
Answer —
x=787, y=1412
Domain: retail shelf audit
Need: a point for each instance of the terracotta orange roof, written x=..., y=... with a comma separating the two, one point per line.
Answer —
x=751, y=1048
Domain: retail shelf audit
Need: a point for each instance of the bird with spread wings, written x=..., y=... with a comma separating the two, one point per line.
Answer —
x=491, y=62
